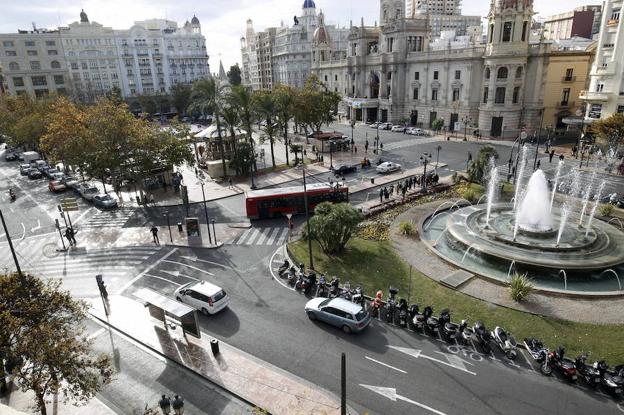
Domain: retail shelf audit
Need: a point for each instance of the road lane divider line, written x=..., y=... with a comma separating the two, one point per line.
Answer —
x=163, y=279
x=276, y=277
x=194, y=259
x=188, y=266
x=148, y=269
x=385, y=364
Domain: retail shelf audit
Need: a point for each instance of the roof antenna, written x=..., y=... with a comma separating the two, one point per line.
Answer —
x=34, y=25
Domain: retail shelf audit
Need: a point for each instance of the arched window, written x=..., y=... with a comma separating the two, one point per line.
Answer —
x=502, y=73
x=487, y=73
x=13, y=66
x=519, y=72
x=55, y=65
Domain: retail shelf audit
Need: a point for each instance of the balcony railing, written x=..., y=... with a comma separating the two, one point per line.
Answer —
x=594, y=96
x=568, y=79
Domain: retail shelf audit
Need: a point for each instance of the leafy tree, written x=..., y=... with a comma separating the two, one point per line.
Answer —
x=43, y=338
x=243, y=160
x=181, y=96
x=333, y=225
x=234, y=75
x=148, y=104
x=478, y=167
x=437, y=124
x=23, y=120
x=232, y=120
x=266, y=110
x=296, y=149
x=610, y=131
x=285, y=106
x=208, y=97
x=114, y=94
x=316, y=105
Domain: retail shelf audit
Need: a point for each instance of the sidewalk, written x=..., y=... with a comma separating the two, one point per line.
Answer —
x=22, y=401
x=251, y=379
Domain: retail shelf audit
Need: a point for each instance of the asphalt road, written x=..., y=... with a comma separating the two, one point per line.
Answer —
x=267, y=320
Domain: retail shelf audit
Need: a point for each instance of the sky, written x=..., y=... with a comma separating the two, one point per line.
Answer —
x=223, y=21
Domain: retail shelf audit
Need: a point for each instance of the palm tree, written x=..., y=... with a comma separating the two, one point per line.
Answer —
x=240, y=97
x=231, y=120
x=207, y=97
x=264, y=106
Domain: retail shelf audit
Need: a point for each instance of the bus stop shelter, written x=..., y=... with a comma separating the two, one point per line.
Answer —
x=168, y=310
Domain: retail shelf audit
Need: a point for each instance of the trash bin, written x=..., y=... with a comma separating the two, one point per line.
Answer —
x=372, y=180
x=214, y=346
x=180, y=227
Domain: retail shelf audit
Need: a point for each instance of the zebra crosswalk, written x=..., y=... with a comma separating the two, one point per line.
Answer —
x=109, y=218
x=261, y=236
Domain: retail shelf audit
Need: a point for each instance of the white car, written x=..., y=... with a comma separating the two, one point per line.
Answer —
x=203, y=296
x=388, y=167
x=385, y=126
x=374, y=125
x=398, y=129
x=416, y=131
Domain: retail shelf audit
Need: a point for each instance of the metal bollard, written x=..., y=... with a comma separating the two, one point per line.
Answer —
x=180, y=227
x=214, y=346
x=372, y=180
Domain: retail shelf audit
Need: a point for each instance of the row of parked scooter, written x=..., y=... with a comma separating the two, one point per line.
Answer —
x=399, y=313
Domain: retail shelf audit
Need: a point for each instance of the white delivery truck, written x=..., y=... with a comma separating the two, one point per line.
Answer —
x=30, y=156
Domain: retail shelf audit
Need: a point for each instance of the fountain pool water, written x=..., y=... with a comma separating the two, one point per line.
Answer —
x=537, y=240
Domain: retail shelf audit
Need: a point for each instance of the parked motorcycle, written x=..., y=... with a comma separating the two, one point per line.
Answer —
x=536, y=349
x=283, y=268
x=446, y=328
x=301, y=282
x=588, y=373
x=464, y=333
x=482, y=336
x=431, y=322
x=334, y=287
x=556, y=360
x=292, y=275
x=391, y=304
x=611, y=381
x=417, y=318
x=321, y=287
x=310, y=283
x=403, y=313
x=357, y=296
x=346, y=291
x=376, y=304
x=506, y=342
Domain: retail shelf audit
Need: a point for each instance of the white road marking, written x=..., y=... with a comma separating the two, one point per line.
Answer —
x=417, y=353
x=177, y=274
x=391, y=394
x=276, y=277
x=188, y=266
x=163, y=279
x=83, y=215
x=272, y=236
x=263, y=236
x=385, y=364
x=282, y=237
x=23, y=231
x=253, y=236
x=148, y=269
x=620, y=407
x=194, y=259
x=243, y=236
x=36, y=227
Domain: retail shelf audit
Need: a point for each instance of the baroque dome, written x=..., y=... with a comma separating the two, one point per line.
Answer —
x=309, y=4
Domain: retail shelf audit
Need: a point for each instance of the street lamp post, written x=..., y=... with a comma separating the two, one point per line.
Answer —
x=206, y=211
x=8, y=236
x=438, y=158
x=166, y=214
x=307, y=214
x=214, y=230
x=424, y=159
x=465, y=120
x=331, y=153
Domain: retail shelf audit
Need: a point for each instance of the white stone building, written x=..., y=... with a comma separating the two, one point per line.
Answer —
x=605, y=95
x=392, y=74
x=87, y=59
x=284, y=54
x=33, y=63
x=443, y=15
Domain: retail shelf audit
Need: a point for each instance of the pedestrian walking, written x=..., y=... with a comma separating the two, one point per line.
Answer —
x=551, y=155
x=381, y=195
x=575, y=152
x=151, y=198
x=561, y=157
x=539, y=163
x=391, y=189
x=386, y=193
x=154, y=231
x=165, y=405
x=355, y=149
x=381, y=146
x=403, y=190
x=230, y=182
x=178, y=405
x=72, y=234
x=68, y=236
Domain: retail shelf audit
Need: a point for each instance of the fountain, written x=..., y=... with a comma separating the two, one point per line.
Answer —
x=619, y=222
x=617, y=277
x=586, y=195
x=531, y=236
x=557, y=174
x=518, y=183
x=492, y=186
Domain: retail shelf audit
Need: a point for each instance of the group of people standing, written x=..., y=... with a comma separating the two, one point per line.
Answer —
x=401, y=188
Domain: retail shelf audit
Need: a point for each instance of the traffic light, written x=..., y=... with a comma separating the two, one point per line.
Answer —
x=101, y=286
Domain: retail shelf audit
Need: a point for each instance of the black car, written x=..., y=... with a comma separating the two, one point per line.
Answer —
x=10, y=156
x=34, y=174
x=344, y=169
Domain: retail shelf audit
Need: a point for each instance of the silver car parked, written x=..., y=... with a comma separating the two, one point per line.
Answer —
x=350, y=317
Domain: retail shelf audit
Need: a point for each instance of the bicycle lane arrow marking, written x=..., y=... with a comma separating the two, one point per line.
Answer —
x=451, y=362
x=391, y=394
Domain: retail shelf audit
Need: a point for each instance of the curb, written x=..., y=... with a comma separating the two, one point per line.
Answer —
x=180, y=364
x=218, y=245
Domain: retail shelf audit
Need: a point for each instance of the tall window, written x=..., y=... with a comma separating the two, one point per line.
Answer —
x=525, y=26
x=569, y=74
x=502, y=73
x=519, y=72
x=455, y=94
x=435, y=74
x=55, y=65
x=13, y=66
x=486, y=92
x=390, y=44
x=507, y=31
x=39, y=80
x=434, y=94
x=516, y=95
x=490, y=33
x=457, y=74
x=487, y=73
x=18, y=81
x=35, y=65
x=565, y=97
x=416, y=76
x=499, y=98
x=415, y=95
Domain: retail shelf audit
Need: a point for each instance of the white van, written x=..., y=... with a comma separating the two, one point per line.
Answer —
x=203, y=296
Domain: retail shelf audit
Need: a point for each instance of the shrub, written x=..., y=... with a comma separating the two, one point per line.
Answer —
x=468, y=194
x=605, y=209
x=520, y=287
x=406, y=228
x=333, y=225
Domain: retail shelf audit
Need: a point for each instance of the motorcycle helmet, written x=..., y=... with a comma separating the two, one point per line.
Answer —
x=379, y=294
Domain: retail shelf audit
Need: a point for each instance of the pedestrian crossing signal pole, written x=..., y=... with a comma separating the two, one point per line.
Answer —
x=6, y=231
x=58, y=227
x=343, y=385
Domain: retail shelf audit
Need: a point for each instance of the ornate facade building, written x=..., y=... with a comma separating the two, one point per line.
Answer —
x=393, y=72
x=87, y=59
x=284, y=54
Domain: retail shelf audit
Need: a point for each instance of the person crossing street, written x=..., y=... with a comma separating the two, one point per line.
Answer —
x=154, y=231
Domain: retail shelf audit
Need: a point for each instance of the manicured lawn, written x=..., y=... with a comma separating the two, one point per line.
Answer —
x=375, y=265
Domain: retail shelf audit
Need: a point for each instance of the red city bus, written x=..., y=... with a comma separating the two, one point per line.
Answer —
x=270, y=203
